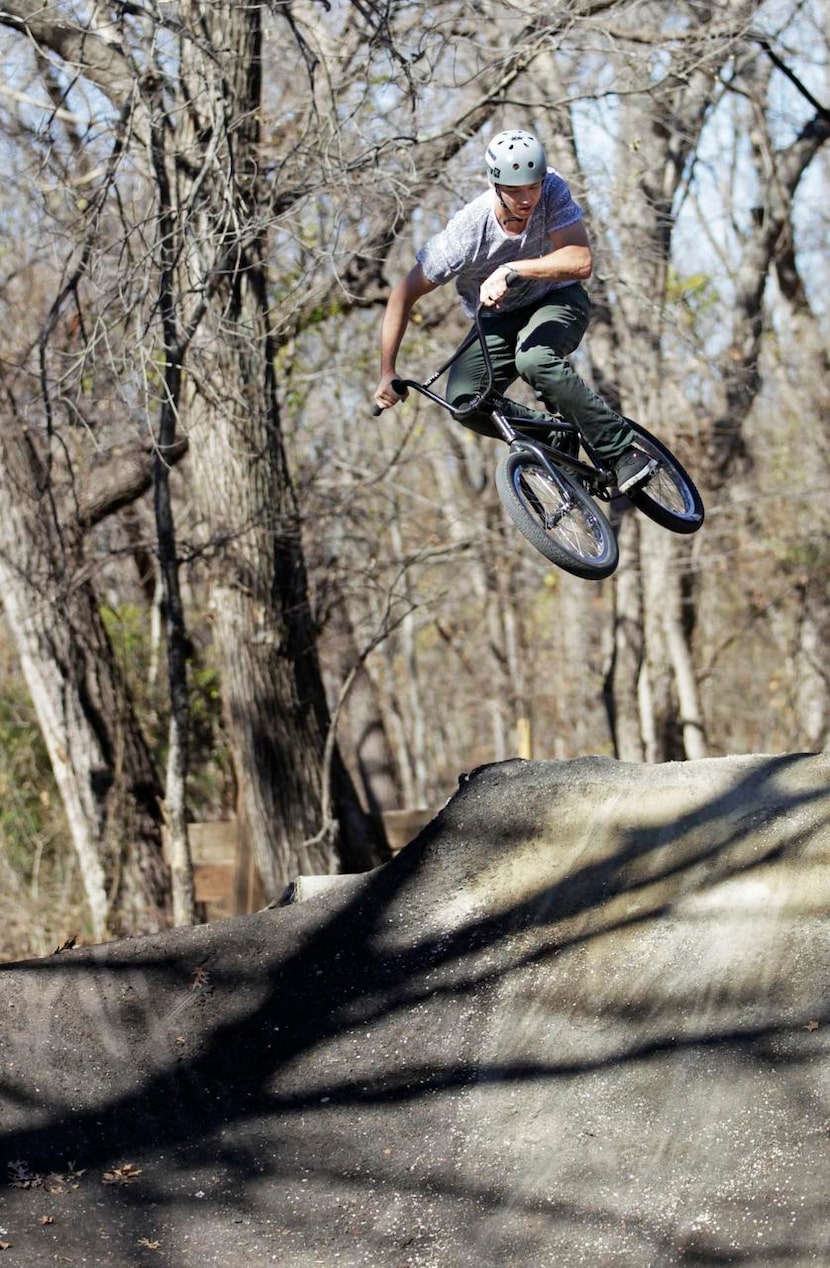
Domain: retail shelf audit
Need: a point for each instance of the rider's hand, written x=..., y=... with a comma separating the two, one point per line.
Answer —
x=494, y=288
x=385, y=394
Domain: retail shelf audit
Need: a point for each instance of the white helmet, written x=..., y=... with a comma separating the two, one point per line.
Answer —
x=515, y=158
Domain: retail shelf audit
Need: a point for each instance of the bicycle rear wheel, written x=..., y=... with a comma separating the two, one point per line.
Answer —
x=669, y=497
x=556, y=516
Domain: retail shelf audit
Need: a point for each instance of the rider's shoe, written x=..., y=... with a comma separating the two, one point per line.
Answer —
x=633, y=467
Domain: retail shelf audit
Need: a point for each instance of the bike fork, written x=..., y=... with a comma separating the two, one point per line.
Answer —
x=548, y=519
x=528, y=446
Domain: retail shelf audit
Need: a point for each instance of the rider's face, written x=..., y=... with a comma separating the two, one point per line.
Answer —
x=521, y=199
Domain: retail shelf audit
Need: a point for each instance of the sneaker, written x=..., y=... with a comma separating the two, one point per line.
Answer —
x=632, y=468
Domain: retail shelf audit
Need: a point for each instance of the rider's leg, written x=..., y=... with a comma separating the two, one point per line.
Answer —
x=534, y=343
x=550, y=332
x=468, y=375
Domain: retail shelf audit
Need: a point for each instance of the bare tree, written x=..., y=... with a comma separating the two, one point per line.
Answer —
x=190, y=115
x=242, y=178
x=189, y=126
x=98, y=754
x=767, y=246
x=653, y=689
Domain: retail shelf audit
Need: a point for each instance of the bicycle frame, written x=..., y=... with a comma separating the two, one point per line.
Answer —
x=558, y=513
x=597, y=481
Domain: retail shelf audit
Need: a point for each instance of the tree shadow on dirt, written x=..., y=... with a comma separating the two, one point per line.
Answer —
x=318, y=1041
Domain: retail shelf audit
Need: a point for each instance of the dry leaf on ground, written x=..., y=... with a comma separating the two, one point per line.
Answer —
x=121, y=1175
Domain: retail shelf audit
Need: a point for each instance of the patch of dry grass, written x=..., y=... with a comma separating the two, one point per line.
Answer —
x=40, y=913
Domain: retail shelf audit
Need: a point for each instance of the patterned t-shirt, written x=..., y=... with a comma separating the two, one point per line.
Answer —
x=474, y=244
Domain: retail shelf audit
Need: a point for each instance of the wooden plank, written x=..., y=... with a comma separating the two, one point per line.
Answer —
x=213, y=841
x=225, y=874
x=402, y=826
x=213, y=883
x=247, y=892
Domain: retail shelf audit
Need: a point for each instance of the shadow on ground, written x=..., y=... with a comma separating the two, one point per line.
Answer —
x=581, y=1019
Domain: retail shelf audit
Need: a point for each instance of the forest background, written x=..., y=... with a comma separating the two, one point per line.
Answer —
x=228, y=591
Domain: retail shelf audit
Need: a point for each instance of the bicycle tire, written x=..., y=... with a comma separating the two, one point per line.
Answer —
x=558, y=517
x=669, y=497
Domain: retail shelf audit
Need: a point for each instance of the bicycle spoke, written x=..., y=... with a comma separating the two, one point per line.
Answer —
x=560, y=515
x=669, y=497
x=557, y=516
x=666, y=490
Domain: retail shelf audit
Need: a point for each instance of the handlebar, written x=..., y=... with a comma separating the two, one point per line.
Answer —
x=401, y=386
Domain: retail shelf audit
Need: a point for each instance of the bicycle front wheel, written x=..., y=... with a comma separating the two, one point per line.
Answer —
x=669, y=497
x=557, y=516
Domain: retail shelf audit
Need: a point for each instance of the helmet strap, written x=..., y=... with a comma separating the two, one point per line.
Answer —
x=509, y=217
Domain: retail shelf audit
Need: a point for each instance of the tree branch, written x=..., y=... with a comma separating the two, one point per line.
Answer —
x=96, y=59
x=822, y=111
x=118, y=477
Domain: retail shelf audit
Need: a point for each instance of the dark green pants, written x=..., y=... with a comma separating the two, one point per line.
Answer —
x=533, y=343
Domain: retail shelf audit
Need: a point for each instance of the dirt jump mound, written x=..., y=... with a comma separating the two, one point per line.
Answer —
x=581, y=1019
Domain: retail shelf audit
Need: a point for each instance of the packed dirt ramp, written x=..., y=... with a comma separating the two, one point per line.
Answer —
x=581, y=1019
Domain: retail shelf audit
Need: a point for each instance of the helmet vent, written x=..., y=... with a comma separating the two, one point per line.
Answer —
x=515, y=158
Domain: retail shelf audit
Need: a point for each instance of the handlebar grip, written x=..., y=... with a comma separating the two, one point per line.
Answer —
x=397, y=385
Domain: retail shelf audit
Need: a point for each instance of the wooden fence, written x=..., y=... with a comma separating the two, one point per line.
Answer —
x=226, y=879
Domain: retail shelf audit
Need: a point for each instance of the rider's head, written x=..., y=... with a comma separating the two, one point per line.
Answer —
x=515, y=158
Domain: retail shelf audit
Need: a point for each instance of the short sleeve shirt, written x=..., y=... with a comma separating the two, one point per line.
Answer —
x=473, y=244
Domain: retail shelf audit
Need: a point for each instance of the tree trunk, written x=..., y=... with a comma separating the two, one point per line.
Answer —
x=374, y=757
x=99, y=758
x=178, y=733
x=651, y=667
x=767, y=244
x=273, y=692
x=623, y=678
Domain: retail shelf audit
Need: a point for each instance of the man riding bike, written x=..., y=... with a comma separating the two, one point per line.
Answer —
x=521, y=250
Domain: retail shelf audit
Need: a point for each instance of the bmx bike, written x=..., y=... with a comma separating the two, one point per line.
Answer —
x=550, y=479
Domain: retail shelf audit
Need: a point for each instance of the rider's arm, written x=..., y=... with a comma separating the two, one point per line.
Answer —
x=569, y=260
x=401, y=300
